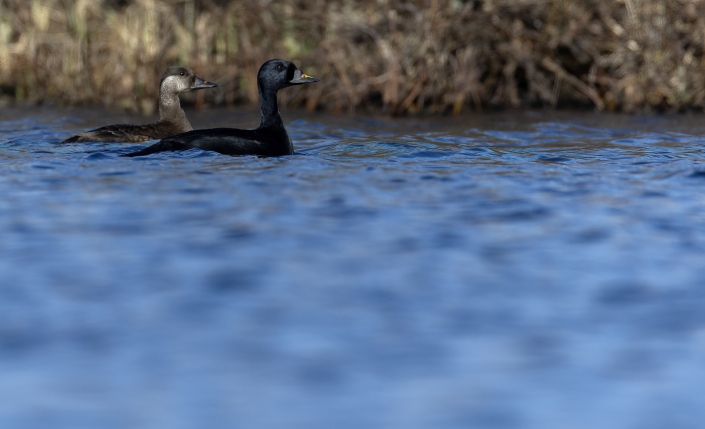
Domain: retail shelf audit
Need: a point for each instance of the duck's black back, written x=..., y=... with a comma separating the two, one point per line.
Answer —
x=269, y=141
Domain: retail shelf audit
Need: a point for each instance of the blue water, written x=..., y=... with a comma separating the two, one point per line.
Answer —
x=517, y=270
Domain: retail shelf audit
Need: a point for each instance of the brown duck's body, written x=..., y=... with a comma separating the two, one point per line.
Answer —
x=172, y=119
x=132, y=133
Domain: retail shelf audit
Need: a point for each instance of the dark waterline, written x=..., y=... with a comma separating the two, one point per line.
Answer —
x=517, y=270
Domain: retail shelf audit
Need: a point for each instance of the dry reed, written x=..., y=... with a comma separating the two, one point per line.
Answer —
x=406, y=56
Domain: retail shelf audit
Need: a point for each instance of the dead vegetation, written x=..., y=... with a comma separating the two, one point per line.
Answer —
x=406, y=56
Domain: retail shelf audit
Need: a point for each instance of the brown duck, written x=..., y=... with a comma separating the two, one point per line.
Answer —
x=172, y=119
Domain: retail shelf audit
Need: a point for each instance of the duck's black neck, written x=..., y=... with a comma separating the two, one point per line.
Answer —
x=270, y=109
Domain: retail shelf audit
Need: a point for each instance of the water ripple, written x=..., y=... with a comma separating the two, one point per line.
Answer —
x=476, y=267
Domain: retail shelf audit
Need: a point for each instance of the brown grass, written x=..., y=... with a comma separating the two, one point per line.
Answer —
x=406, y=56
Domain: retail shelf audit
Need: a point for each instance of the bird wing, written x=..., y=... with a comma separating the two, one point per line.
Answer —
x=228, y=141
x=124, y=133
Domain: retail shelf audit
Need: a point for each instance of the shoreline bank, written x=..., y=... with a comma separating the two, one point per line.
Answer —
x=400, y=57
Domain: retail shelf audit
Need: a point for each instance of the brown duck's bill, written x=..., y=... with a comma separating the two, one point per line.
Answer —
x=300, y=77
x=200, y=84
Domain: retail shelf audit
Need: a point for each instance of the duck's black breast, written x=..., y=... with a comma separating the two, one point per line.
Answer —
x=126, y=133
x=228, y=141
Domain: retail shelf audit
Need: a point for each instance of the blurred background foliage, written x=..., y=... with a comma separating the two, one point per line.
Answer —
x=403, y=56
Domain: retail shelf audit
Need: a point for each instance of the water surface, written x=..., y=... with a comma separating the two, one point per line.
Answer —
x=517, y=270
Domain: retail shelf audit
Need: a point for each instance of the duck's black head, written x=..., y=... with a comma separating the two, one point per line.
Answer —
x=177, y=80
x=277, y=74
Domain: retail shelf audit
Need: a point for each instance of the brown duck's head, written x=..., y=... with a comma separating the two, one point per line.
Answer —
x=177, y=80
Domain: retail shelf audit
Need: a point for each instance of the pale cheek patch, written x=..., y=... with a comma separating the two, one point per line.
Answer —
x=173, y=83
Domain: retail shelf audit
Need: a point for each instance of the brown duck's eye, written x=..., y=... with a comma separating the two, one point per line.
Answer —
x=183, y=73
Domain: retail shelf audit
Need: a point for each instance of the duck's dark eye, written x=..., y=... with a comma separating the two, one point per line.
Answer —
x=280, y=67
x=183, y=73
